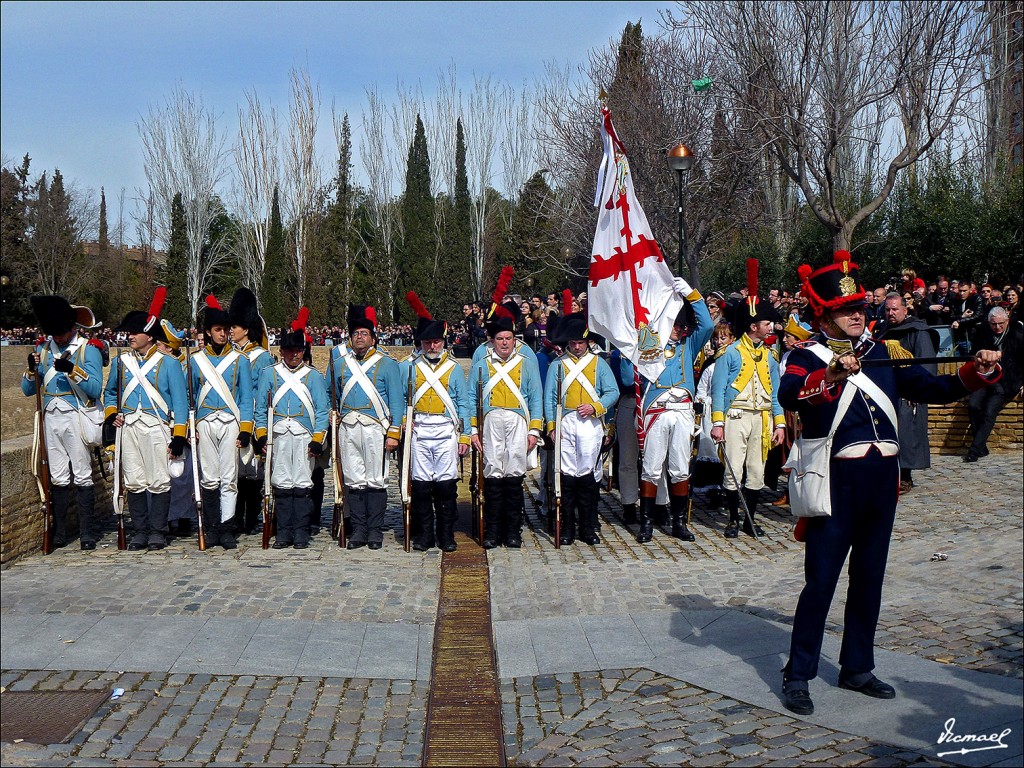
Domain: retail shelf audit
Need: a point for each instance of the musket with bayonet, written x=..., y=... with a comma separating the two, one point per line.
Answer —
x=406, y=468
x=478, y=462
x=197, y=494
x=41, y=464
x=338, y=518
x=556, y=464
x=122, y=537
x=268, y=489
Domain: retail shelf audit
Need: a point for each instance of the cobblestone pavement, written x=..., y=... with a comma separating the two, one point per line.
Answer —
x=225, y=720
x=964, y=610
x=637, y=717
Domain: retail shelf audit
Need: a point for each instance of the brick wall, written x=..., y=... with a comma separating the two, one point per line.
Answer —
x=21, y=520
x=949, y=427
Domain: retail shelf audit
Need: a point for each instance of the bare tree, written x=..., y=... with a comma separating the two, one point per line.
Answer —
x=518, y=143
x=486, y=105
x=819, y=83
x=258, y=172
x=183, y=152
x=60, y=218
x=381, y=164
x=302, y=172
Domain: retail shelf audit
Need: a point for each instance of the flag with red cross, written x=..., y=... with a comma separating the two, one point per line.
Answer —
x=630, y=300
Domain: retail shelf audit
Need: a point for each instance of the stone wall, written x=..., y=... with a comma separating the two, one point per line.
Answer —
x=21, y=519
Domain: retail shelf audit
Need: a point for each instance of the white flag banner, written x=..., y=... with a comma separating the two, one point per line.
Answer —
x=631, y=300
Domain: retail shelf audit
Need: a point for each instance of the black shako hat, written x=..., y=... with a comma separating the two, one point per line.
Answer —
x=837, y=285
x=362, y=316
x=244, y=311
x=54, y=314
x=138, y=321
x=214, y=314
x=294, y=337
x=426, y=326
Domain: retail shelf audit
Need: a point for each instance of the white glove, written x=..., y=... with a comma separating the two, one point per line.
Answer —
x=682, y=288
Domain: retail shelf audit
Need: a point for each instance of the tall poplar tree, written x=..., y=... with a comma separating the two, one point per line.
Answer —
x=457, y=255
x=273, y=302
x=175, y=271
x=417, y=269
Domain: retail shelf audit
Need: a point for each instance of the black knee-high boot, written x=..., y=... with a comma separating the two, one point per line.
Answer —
x=138, y=511
x=159, y=506
x=60, y=500
x=732, y=501
x=284, y=514
x=514, y=512
x=588, y=494
x=446, y=510
x=679, y=502
x=302, y=504
x=648, y=493
x=570, y=502
x=750, y=527
x=422, y=514
x=88, y=526
x=493, y=511
x=211, y=515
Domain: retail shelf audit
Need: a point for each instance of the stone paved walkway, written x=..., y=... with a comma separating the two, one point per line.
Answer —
x=964, y=611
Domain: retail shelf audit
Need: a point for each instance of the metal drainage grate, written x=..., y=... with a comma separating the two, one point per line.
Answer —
x=464, y=707
x=46, y=717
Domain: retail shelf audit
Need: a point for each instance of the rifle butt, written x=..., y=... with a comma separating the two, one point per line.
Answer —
x=122, y=537
x=339, y=510
x=407, y=524
x=47, y=531
x=558, y=523
x=266, y=526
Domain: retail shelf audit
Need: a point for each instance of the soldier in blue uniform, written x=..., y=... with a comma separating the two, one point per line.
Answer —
x=440, y=431
x=371, y=400
x=153, y=414
x=71, y=369
x=300, y=407
x=667, y=415
x=250, y=338
x=588, y=391
x=823, y=375
x=222, y=387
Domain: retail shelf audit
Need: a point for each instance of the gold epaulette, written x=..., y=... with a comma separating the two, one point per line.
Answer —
x=897, y=351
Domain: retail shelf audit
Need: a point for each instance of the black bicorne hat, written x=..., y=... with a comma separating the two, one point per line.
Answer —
x=54, y=314
x=214, y=314
x=362, y=316
x=244, y=311
x=572, y=327
x=138, y=321
x=294, y=337
x=427, y=327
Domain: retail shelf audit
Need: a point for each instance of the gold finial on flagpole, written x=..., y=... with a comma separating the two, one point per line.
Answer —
x=602, y=95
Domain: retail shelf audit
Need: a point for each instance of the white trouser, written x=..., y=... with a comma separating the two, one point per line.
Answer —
x=504, y=439
x=65, y=451
x=291, y=464
x=435, y=447
x=218, y=457
x=362, y=454
x=144, y=440
x=743, y=432
x=669, y=437
x=581, y=445
x=629, y=450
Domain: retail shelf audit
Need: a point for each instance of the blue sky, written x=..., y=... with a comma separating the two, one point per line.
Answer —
x=76, y=77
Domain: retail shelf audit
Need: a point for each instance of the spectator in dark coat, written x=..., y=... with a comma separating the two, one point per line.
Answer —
x=914, y=335
x=965, y=315
x=984, y=405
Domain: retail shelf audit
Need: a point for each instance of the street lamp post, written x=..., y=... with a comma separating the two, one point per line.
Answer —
x=680, y=160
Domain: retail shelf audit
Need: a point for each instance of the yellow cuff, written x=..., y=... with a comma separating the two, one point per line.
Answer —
x=395, y=433
x=464, y=440
x=472, y=421
x=780, y=421
x=109, y=411
x=245, y=426
x=599, y=410
x=179, y=430
x=551, y=426
x=319, y=437
x=261, y=432
x=537, y=424
x=77, y=375
x=717, y=416
x=694, y=295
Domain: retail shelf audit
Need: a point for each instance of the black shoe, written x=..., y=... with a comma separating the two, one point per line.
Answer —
x=449, y=547
x=682, y=533
x=374, y=545
x=155, y=545
x=136, y=546
x=88, y=546
x=514, y=542
x=752, y=531
x=490, y=544
x=971, y=457
x=798, y=701
x=566, y=541
x=872, y=687
x=644, y=535
x=732, y=531
x=352, y=544
x=419, y=547
x=296, y=546
x=592, y=539
x=279, y=545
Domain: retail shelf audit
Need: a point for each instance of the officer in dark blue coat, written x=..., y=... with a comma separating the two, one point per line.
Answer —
x=864, y=470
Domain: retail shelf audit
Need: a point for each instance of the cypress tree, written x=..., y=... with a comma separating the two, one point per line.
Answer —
x=416, y=257
x=104, y=236
x=459, y=238
x=275, y=270
x=175, y=270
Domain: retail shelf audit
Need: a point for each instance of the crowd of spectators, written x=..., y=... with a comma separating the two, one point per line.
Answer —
x=961, y=305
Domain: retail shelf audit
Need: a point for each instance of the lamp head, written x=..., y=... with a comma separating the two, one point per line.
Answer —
x=680, y=158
